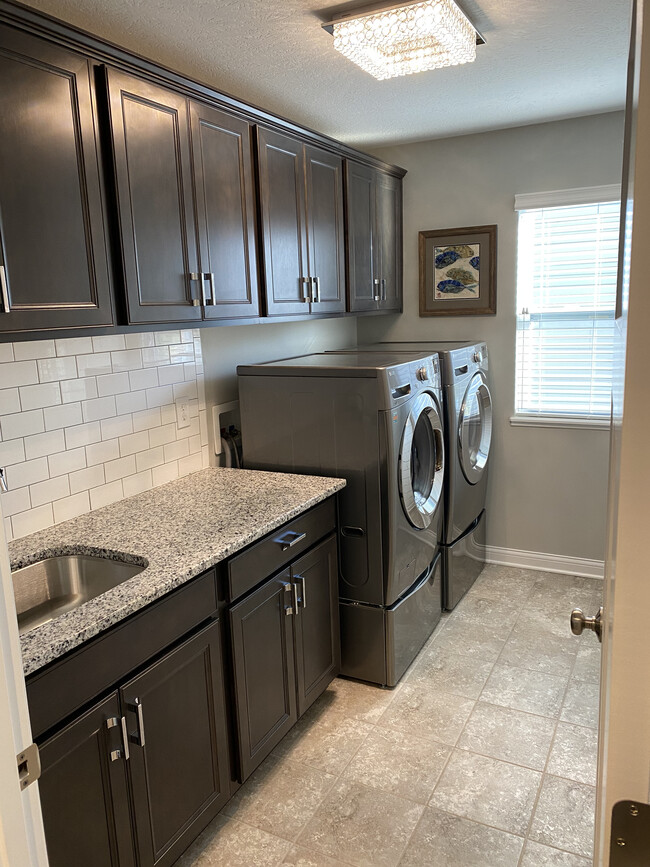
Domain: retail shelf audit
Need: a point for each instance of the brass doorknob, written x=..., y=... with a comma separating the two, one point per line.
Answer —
x=579, y=622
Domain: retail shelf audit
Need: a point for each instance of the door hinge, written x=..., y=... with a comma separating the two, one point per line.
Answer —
x=29, y=766
x=630, y=841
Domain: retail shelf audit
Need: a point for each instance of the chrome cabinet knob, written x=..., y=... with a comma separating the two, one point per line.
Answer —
x=579, y=622
x=422, y=374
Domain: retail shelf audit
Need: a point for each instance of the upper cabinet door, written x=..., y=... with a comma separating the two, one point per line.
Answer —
x=225, y=201
x=388, y=199
x=282, y=203
x=325, y=229
x=53, y=254
x=360, y=189
x=151, y=144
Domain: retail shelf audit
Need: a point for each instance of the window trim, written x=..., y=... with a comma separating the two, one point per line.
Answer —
x=561, y=199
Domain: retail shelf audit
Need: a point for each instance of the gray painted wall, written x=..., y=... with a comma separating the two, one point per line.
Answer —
x=225, y=348
x=547, y=486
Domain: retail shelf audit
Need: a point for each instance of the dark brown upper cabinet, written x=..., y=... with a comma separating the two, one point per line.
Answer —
x=54, y=269
x=374, y=239
x=225, y=204
x=301, y=203
x=153, y=176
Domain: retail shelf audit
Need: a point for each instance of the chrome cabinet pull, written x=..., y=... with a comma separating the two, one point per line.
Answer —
x=285, y=543
x=383, y=289
x=6, y=304
x=317, y=285
x=376, y=283
x=209, y=276
x=288, y=609
x=305, y=282
x=111, y=723
x=196, y=302
x=296, y=599
x=303, y=590
x=138, y=737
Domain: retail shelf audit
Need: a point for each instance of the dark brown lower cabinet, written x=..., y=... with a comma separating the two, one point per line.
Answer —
x=85, y=795
x=178, y=765
x=285, y=643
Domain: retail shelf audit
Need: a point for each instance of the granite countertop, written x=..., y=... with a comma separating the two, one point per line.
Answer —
x=179, y=530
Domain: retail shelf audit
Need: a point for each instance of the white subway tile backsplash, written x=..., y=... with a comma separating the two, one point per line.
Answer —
x=15, y=501
x=127, y=359
x=137, y=442
x=99, y=408
x=86, y=421
x=82, y=435
x=101, y=453
x=113, y=383
x=84, y=388
x=9, y=401
x=150, y=458
x=118, y=426
x=12, y=452
x=109, y=343
x=66, y=462
x=71, y=507
x=86, y=479
x=32, y=521
x=64, y=415
x=73, y=345
x=134, y=401
x=22, y=424
x=34, y=349
x=119, y=468
x=43, y=444
x=165, y=473
x=57, y=369
x=137, y=341
x=106, y=494
x=49, y=490
x=94, y=365
x=160, y=396
x=136, y=484
x=15, y=373
x=27, y=473
x=142, y=379
x=35, y=396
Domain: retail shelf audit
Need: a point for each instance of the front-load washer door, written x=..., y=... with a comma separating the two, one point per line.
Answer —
x=475, y=429
x=421, y=461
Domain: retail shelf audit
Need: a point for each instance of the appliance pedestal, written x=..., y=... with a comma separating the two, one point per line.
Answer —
x=463, y=562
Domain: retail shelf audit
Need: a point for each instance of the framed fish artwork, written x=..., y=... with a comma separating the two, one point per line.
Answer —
x=458, y=271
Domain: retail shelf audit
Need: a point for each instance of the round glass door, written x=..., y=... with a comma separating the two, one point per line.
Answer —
x=475, y=429
x=421, y=462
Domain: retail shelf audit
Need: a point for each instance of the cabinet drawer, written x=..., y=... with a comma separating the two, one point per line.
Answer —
x=59, y=691
x=274, y=551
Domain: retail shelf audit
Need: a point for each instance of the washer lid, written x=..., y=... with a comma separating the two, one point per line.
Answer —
x=475, y=429
x=421, y=461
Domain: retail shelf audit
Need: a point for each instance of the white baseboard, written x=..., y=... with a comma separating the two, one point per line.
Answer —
x=545, y=562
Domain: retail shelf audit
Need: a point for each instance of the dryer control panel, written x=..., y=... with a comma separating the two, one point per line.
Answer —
x=412, y=377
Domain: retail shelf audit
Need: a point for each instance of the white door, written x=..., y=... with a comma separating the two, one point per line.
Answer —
x=624, y=760
x=22, y=842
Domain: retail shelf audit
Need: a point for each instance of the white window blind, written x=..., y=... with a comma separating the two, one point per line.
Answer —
x=566, y=293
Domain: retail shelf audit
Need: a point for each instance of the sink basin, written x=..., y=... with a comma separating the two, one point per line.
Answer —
x=46, y=589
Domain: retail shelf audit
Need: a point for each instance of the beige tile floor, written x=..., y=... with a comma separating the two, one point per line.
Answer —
x=483, y=756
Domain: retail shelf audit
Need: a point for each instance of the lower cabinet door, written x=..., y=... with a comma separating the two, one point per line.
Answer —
x=318, y=653
x=179, y=749
x=84, y=792
x=263, y=662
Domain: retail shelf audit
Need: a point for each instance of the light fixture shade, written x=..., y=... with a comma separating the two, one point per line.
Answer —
x=407, y=39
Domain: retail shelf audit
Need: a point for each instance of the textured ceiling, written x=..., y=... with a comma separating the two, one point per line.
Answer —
x=544, y=60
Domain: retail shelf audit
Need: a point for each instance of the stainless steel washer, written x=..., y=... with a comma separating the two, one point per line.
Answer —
x=374, y=419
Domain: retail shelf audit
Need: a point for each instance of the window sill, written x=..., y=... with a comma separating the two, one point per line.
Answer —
x=570, y=422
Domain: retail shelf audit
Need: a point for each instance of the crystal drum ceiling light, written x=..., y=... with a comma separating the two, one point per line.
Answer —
x=401, y=40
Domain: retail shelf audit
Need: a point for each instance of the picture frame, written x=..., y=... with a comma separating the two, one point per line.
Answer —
x=458, y=271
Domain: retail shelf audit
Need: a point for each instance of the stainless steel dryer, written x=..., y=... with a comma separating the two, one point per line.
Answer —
x=468, y=435
x=374, y=419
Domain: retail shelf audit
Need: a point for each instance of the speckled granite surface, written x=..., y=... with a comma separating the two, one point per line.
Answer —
x=179, y=529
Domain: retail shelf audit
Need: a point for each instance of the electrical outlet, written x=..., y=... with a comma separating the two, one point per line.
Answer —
x=183, y=412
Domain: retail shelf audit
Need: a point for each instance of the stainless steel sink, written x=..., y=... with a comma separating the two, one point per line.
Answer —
x=46, y=589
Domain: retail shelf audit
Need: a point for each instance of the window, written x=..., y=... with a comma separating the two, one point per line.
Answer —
x=567, y=256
